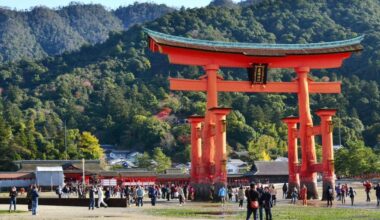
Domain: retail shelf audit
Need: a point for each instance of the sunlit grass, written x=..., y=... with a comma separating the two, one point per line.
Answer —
x=279, y=212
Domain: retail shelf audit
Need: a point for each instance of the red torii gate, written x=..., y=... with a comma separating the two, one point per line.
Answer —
x=208, y=134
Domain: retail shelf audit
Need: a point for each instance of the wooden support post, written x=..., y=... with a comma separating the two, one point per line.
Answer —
x=294, y=180
x=308, y=177
x=328, y=175
x=196, y=147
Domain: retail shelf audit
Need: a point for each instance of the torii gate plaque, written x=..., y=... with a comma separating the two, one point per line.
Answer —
x=208, y=134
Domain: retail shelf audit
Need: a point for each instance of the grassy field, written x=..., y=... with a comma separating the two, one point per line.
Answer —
x=6, y=212
x=279, y=212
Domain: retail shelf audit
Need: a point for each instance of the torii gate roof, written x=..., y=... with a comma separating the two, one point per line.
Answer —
x=190, y=51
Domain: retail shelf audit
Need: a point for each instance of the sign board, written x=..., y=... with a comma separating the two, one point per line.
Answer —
x=258, y=73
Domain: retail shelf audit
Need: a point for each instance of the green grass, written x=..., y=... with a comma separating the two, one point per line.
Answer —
x=279, y=212
x=6, y=212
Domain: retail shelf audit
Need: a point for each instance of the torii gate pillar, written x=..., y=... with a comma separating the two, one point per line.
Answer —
x=196, y=147
x=326, y=129
x=294, y=179
x=308, y=175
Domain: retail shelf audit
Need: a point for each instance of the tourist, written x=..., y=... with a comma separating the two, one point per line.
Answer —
x=127, y=193
x=343, y=193
x=181, y=196
x=260, y=190
x=107, y=195
x=294, y=196
x=100, y=197
x=140, y=196
x=168, y=192
x=303, y=195
x=192, y=193
x=222, y=194
x=163, y=191
x=212, y=192
x=91, y=195
x=284, y=191
x=241, y=197
x=34, y=196
x=58, y=191
x=172, y=191
x=12, y=200
x=29, y=197
x=229, y=193
x=185, y=191
x=367, y=186
x=338, y=192
x=252, y=201
x=273, y=193
x=329, y=196
x=377, y=188
x=352, y=193
x=153, y=193
x=266, y=199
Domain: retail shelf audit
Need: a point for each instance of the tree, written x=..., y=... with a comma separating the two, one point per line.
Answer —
x=89, y=147
x=261, y=149
x=144, y=161
x=356, y=159
x=163, y=162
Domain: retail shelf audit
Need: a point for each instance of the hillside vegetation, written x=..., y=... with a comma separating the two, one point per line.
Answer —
x=118, y=90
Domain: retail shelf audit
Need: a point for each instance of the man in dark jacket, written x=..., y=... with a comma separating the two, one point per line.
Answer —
x=377, y=190
x=34, y=196
x=252, y=195
x=266, y=200
x=12, y=196
x=91, y=195
x=284, y=191
x=260, y=190
x=127, y=193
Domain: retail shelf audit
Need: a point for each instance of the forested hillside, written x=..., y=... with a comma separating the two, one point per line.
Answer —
x=118, y=90
x=43, y=31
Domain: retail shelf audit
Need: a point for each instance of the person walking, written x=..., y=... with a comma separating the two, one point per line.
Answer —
x=91, y=195
x=284, y=191
x=100, y=197
x=294, y=196
x=377, y=190
x=303, y=195
x=267, y=203
x=273, y=192
x=185, y=191
x=34, y=196
x=343, y=193
x=212, y=192
x=367, y=187
x=127, y=193
x=222, y=195
x=230, y=192
x=12, y=200
x=329, y=196
x=181, y=196
x=140, y=196
x=29, y=197
x=260, y=190
x=107, y=195
x=338, y=191
x=153, y=193
x=252, y=201
x=352, y=193
x=241, y=197
x=58, y=191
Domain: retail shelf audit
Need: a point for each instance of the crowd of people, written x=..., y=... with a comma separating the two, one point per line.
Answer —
x=259, y=198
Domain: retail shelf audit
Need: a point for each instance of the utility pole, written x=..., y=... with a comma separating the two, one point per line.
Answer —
x=65, y=141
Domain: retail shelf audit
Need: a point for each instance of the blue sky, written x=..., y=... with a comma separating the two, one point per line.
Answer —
x=27, y=4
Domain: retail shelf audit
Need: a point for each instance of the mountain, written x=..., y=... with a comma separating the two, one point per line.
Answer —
x=43, y=31
x=118, y=90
